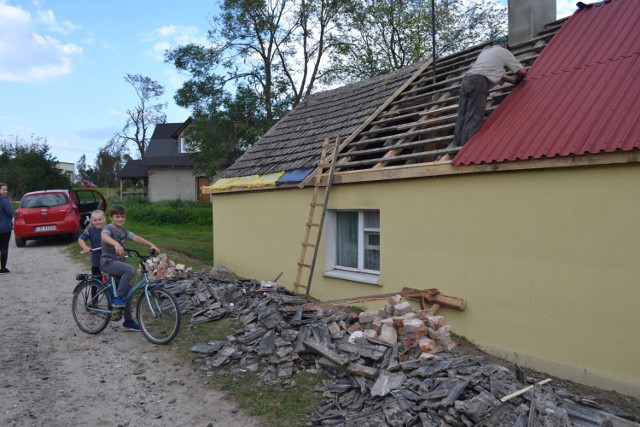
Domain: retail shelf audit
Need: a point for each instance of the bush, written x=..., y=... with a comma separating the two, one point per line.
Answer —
x=167, y=213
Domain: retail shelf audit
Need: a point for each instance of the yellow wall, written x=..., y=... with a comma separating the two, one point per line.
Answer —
x=548, y=260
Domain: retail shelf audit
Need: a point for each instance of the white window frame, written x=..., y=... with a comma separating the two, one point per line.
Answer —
x=359, y=274
x=184, y=148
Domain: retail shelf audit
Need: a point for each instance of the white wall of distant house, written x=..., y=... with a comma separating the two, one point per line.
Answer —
x=172, y=184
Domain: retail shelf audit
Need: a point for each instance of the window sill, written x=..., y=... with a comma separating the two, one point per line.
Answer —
x=370, y=279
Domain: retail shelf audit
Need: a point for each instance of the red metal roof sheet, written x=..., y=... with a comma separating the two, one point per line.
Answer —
x=582, y=95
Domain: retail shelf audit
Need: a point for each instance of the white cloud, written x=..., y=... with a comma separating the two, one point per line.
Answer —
x=565, y=8
x=48, y=19
x=168, y=37
x=27, y=53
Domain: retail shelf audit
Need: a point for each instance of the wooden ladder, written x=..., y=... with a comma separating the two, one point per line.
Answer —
x=315, y=221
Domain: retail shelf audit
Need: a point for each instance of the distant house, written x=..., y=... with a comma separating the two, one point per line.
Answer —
x=166, y=171
x=534, y=222
x=67, y=169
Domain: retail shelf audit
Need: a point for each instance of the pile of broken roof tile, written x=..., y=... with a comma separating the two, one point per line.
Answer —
x=372, y=378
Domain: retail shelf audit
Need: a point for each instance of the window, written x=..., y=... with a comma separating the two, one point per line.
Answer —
x=184, y=145
x=353, y=245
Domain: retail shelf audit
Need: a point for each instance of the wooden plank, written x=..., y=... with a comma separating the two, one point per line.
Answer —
x=523, y=390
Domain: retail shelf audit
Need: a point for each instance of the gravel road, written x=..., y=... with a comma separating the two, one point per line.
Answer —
x=52, y=374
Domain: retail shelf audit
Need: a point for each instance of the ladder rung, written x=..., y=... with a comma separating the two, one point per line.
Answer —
x=299, y=285
x=300, y=264
x=315, y=205
x=313, y=224
x=309, y=245
x=324, y=165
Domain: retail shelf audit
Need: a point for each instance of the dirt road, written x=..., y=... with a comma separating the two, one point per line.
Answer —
x=52, y=374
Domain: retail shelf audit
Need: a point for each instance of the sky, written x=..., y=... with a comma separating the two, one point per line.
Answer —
x=63, y=63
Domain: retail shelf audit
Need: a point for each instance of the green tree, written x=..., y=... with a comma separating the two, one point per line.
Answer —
x=142, y=118
x=266, y=55
x=29, y=166
x=218, y=138
x=387, y=35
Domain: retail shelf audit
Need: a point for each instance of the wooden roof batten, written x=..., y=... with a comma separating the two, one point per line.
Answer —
x=415, y=125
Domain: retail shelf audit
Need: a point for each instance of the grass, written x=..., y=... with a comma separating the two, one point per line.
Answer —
x=191, y=243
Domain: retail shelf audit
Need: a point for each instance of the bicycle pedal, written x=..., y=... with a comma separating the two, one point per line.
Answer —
x=116, y=314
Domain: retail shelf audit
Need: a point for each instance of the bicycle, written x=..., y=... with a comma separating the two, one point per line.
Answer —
x=157, y=309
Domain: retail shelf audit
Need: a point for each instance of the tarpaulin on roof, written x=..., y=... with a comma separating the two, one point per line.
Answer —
x=294, y=176
x=250, y=181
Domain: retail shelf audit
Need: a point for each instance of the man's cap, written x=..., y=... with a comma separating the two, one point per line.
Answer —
x=501, y=40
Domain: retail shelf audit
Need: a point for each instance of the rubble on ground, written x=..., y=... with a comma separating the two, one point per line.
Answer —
x=394, y=367
x=160, y=267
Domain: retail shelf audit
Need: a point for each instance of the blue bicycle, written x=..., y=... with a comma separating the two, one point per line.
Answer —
x=157, y=310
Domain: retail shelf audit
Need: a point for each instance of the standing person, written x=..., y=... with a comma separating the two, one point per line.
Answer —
x=6, y=225
x=486, y=72
x=93, y=233
x=114, y=237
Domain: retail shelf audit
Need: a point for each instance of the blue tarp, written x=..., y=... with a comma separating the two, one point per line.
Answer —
x=294, y=176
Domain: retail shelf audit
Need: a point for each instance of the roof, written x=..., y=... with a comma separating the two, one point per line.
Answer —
x=582, y=96
x=164, y=147
x=295, y=141
x=166, y=130
x=178, y=160
x=133, y=169
x=405, y=117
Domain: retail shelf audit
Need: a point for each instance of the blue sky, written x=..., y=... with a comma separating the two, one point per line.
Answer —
x=62, y=65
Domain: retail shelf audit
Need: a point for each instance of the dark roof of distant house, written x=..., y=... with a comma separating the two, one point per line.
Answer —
x=133, y=169
x=178, y=160
x=582, y=96
x=166, y=130
x=164, y=147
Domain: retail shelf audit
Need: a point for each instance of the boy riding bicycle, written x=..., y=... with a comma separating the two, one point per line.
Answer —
x=114, y=237
x=93, y=233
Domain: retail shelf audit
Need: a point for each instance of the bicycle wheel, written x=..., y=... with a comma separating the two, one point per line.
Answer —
x=91, y=307
x=159, y=315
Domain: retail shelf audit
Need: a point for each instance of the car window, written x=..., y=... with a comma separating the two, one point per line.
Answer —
x=87, y=196
x=44, y=200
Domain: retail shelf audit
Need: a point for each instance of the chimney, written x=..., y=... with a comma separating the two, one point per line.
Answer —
x=528, y=17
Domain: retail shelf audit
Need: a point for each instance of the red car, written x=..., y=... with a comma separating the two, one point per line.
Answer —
x=55, y=213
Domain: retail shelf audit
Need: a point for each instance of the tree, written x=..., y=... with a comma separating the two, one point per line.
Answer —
x=140, y=119
x=272, y=54
x=264, y=54
x=387, y=35
x=218, y=138
x=28, y=166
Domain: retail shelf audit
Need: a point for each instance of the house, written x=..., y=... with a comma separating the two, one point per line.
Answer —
x=68, y=169
x=165, y=172
x=534, y=222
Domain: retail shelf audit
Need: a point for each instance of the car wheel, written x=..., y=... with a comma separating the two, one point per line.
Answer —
x=21, y=243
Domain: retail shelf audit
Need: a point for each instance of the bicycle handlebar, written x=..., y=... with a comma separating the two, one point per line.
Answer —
x=128, y=252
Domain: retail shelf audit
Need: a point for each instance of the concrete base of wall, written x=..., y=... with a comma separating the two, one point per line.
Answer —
x=572, y=373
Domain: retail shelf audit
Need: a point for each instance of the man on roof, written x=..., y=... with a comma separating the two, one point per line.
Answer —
x=486, y=72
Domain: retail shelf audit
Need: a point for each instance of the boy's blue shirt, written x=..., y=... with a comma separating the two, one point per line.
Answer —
x=94, y=236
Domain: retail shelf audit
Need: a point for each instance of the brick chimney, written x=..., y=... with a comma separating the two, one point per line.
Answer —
x=528, y=17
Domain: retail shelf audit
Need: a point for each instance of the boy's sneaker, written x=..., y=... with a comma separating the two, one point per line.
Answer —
x=117, y=302
x=131, y=326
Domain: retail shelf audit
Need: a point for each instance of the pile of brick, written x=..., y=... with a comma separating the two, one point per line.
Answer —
x=399, y=323
x=160, y=267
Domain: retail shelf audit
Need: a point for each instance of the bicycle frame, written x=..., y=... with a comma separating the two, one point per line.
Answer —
x=110, y=288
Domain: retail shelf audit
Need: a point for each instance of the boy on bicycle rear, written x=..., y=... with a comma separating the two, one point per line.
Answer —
x=93, y=233
x=114, y=237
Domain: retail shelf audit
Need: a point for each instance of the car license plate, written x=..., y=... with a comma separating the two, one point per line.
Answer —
x=46, y=228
